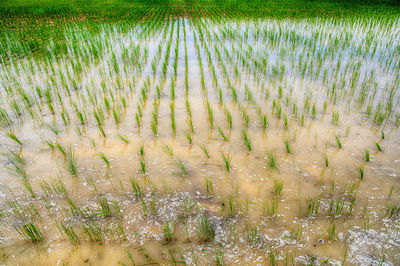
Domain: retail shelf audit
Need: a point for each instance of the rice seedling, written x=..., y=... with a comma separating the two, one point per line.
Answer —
x=390, y=192
x=92, y=230
x=227, y=161
x=228, y=118
x=142, y=166
x=30, y=231
x=392, y=211
x=246, y=140
x=138, y=122
x=338, y=142
x=168, y=230
x=332, y=191
x=123, y=138
x=120, y=231
x=27, y=184
x=361, y=172
x=335, y=118
x=189, y=136
x=172, y=114
x=59, y=188
x=331, y=207
x=366, y=222
x=105, y=207
x=273, y=257
x=205, y=150
x=367, y=156
x=104, y=158
x=70, y=163
x=222, y=134
x=168, y=150
x=288, y=146
x=210, y=114
x=153, y=207
x=16, y=159
x=46, y=188
x=302, y=120
x=204, y=230
x=219, y=255
x=23, y=211
x=83, y=120
x=154, y=121
x=296, y=233
x=228, y=208
x=339, y=207
x=272, y=161
x=141, y=150
x=184, y=171
x=246, y=118
x=270, y=208
x=78, y=131
x=12, y=136
x=314, y=112
x=209, y=186
x=172, y=89
x=67, y=231
x=136, y=188
x=332, y=231
x=54, y=129
x=144, y=208
x=313, y=207
x=61, y=149
x=278, y=186
x=189, y=206
x=102, y=131
x=254, y=236
x=378, y=147
x=264, y=121
x=77, y=211
x=154, y=128
x=285, y=122
x=351, y=206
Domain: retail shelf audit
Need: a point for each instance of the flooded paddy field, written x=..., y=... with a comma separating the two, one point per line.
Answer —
x=192, y=140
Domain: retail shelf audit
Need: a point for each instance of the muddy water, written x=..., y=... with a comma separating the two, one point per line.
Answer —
x=239, y=204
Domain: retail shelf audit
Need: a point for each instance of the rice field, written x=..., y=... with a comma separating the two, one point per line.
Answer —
x=196, y=138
